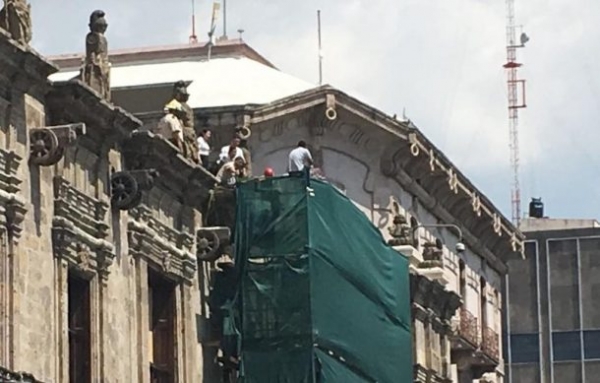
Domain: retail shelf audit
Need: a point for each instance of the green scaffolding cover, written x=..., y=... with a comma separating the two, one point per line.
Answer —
x=321, y=296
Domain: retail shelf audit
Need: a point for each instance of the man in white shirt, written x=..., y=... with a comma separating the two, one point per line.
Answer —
x=234, y=146
x=300, y=158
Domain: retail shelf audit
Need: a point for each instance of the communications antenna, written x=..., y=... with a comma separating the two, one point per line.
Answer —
x=193, y=37
x=514, y=103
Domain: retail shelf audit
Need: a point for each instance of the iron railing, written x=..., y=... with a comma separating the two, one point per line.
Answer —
x=468, y=328
x=490, y=343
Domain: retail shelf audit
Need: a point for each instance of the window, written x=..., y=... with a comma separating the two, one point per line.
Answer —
x=463, y=280
x=591, y=344
x=483, y=303
x=79, y=329
x=525, y=348
x=566, y=346
x=162, y=327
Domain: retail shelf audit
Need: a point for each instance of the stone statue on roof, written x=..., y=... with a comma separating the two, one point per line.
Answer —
x=96, y=67
x=190, y=148
x=15, y=18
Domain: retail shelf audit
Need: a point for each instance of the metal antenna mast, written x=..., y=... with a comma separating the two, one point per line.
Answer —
x=193, y=37
x=320, y=48
x=514, y=103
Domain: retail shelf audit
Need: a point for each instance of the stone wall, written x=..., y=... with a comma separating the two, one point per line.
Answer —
x=56, y=217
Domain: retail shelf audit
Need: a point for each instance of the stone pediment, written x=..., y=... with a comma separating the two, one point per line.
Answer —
x=80, y=229
x=167, y=249
x=404, y=155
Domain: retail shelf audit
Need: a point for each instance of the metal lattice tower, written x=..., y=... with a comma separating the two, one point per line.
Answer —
x=514, y=103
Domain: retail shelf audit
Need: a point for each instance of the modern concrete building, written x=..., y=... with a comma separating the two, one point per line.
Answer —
x=552, y=323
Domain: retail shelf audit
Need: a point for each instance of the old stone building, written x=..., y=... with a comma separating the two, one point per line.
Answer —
x=98, y=270
x=388, y=167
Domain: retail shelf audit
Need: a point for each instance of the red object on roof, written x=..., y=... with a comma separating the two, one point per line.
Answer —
x=269, y=172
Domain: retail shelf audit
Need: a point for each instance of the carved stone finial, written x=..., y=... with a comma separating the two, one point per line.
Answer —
x=47, y=145
x=127, y=187
x=433, y=252
x=190, y=148
x=401, y=232
x=15, y=18
x=96, y=67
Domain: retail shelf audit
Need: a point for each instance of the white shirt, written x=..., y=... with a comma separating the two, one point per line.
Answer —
x=299, y=158
x=224, y=155
x=203, y=146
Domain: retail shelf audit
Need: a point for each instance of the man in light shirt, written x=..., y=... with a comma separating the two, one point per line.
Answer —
x=300, y=159
x=234, y=146
x=170, y=126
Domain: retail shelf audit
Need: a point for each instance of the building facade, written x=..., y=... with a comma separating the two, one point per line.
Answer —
x=552, y=321
x=102, y=220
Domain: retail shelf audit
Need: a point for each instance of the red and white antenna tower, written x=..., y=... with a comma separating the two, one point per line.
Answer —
x=514, y=103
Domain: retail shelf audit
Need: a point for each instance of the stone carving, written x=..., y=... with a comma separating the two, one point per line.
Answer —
x=190, y=149
x=212, y=243
x=96, y=67
x=15, y=18
x=47, y=145
x=84, y=257
x=432, y=254
x=127, y=187
x=166, y=262
x=401, y=231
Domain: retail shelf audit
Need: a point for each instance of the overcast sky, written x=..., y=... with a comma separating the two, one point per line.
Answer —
x=440, y=60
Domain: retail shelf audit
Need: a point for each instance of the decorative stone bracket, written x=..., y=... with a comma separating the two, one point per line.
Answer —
x=12, y=206
x=212, y=242
x=146, y=243
x=244, y=131
x=47, y=145
x=330, y=110
x=78, y=248
x=127, y=187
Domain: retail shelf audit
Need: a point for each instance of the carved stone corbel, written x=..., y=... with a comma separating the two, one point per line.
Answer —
x=211, y=241
x=127, y=187
x=47, y=145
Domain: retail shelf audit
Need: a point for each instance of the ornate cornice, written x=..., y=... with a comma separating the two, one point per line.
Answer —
x=188, y=182
x=168, y=250
x=439, y=302
x=80, y=249
x=80, y=229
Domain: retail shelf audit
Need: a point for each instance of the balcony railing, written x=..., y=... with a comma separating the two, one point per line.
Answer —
x=7, y=376
x=490, y=343
x=468, y=328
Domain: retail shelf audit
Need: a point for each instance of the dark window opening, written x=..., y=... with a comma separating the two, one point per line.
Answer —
x=566, y=346
x=79, y=329
x=483, y=300
x=525, y=348
x=463, y=280
x=161, y=295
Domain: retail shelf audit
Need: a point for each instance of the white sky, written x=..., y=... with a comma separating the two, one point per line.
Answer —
x=441, y=60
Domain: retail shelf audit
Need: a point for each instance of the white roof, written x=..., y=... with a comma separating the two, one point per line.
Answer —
x=218, y=82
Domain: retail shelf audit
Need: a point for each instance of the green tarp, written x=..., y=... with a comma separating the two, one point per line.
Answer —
x=321, y=297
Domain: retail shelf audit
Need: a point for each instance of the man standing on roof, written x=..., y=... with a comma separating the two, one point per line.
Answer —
x=170, y=126
x=232, y=170
x=300, y=159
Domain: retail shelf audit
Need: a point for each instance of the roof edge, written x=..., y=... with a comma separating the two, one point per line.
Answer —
x=198, y=51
